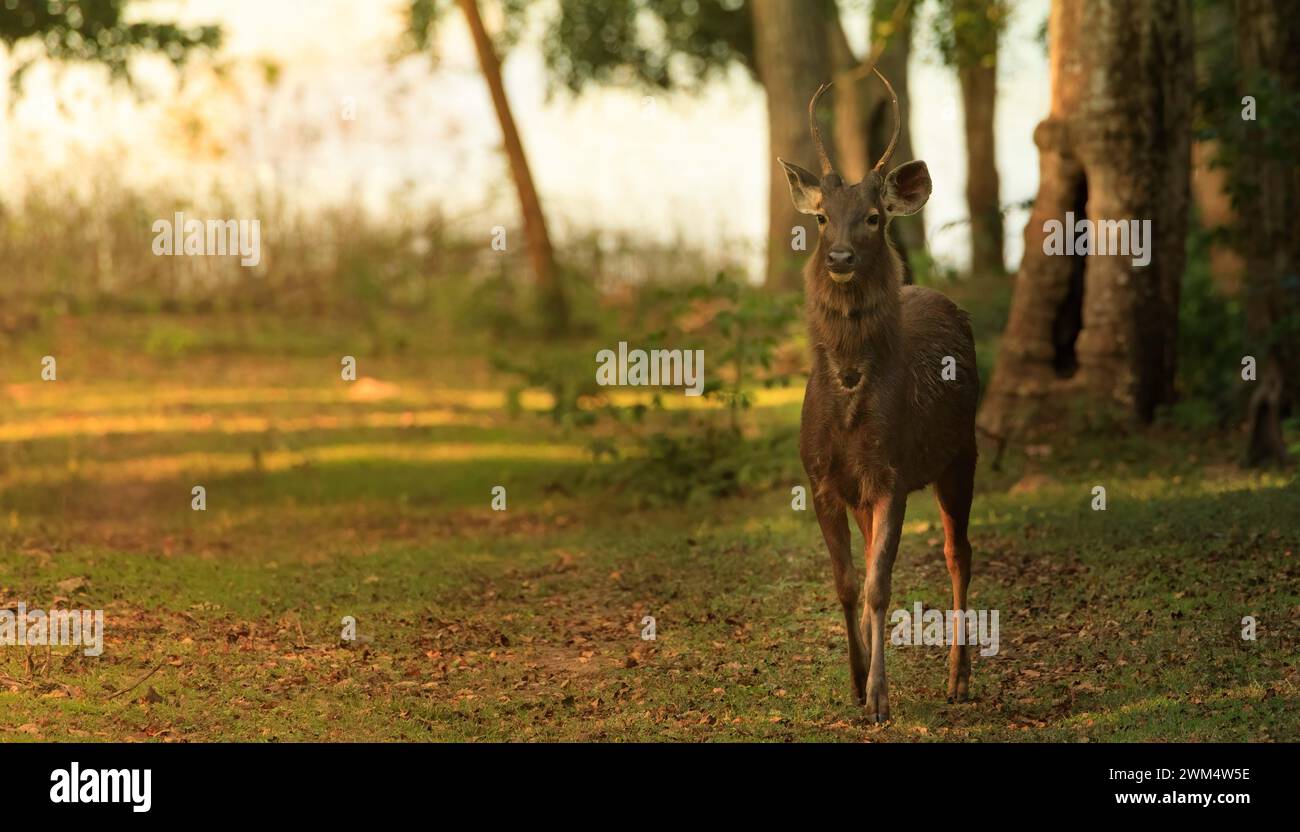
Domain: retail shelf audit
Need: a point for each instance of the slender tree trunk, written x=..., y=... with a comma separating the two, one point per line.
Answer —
x=852, y=128
x=790, y=48
x=983, y=201
x=554, y=308
x=864, y=119
x=1216, y=28
x=1268, y=49
x=1116, y=146
x=975, y=29
x=908, y=232
x=1210, y=194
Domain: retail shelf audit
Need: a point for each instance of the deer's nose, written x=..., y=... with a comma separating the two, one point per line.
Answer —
x=840, y=258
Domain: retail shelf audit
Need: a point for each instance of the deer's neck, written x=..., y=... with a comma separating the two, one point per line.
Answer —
x=854, y=329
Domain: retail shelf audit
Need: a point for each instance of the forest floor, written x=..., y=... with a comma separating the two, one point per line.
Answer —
x=371, y=500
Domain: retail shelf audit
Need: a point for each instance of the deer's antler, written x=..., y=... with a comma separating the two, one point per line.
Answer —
x=827, y=168
x=869, y=65
x=898, y=123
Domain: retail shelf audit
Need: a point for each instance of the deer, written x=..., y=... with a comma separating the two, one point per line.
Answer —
x=881, y=419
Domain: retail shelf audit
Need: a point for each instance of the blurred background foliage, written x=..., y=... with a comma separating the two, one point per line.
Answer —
x=93, y=31
x=79, y=251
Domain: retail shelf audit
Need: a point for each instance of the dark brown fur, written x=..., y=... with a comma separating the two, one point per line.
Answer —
x=879, y=421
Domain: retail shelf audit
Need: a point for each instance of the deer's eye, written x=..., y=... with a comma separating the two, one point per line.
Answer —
x=821, y=219
x=873, y=221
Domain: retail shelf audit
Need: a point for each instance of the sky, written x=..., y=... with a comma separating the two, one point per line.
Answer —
x=670, y=167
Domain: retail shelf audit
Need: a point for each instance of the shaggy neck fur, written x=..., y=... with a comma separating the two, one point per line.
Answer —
x=854, y=326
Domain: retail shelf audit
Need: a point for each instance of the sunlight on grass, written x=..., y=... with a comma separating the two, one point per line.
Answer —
x=674, y=400
x=72, y=398
x=164, y=467
x=485, y=622
x=69, y=398
x=227, y=424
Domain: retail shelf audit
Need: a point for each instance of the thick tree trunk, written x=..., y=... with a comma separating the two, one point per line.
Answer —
x=1116, y=146
x=555, y=310
x=790, y=48
x=983, y=201
x=1268, y=49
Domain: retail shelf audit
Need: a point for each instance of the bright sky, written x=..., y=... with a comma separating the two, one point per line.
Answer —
x=680, y=166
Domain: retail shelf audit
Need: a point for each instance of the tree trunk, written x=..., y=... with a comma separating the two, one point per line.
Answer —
x=864, y=119
x=851, y=101
x=976, y=25
x=1216, y=29
x=983, y=201
x=908, y=232
x=554, y=308
x=1268, y=49
x=1213, y=200
x=790, y=48
x=1115, y=146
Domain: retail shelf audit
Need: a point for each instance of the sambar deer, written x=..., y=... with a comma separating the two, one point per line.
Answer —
x=881, y=419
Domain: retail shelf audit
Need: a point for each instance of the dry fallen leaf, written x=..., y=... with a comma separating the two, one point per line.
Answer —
x=72, y=584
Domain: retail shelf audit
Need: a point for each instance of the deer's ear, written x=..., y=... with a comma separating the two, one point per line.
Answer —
x=907, y=189
x=805, y=188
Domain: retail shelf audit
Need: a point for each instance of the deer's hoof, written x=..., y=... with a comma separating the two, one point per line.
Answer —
x=877, y=709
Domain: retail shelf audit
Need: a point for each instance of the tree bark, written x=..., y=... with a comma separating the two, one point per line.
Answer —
x=983, y=201
x=1213, y=200
x=554, y=308
x=790, y=47
x=1268, y=49
x=1116, y=146
x=908, y=232
x=976, y=27
x=852, y=114
x=864, y=119
x=1215, y=25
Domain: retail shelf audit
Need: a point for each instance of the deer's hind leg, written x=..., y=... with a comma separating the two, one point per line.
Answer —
x=954, y=490
x=835, y=529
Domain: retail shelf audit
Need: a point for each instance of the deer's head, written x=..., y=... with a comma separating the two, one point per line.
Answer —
x=852, y=218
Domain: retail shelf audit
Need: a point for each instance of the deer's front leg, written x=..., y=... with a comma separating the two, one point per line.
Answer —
x=863, y=515
x=835, y=528
x=886, y=528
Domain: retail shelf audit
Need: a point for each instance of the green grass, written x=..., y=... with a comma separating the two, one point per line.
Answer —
x=525, y=624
